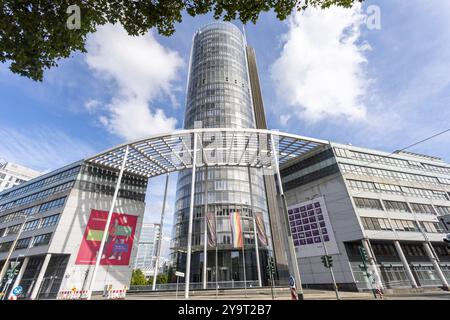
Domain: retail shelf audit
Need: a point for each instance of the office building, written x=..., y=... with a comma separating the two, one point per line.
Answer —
x=390, y=204
x=220, y=95
x=148, y=248
x=63, y=214
x=12, y=174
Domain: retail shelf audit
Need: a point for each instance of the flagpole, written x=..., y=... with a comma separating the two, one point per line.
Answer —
x=205, y=244
x=255, y=233
x=243, y=254
x=217, y=256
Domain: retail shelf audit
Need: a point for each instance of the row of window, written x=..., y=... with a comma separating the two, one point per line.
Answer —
x=349, y=168
x=395, y=189
x=37, y=196
x=400, y=206
x=109, y=190
x=31, y=225
x=108, y=175
x=41, y=183
x=344, y=153
x=30, y=242
x=370, y=223
x=33, y=210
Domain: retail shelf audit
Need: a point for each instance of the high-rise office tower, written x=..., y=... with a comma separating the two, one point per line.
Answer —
x=148, y=248
x=220, y=95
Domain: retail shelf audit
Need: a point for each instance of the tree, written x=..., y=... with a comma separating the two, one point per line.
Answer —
x=160, y=279
x=138, y=278
x=34, y=34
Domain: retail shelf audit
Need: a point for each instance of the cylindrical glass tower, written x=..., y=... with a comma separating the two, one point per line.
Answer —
x=219, y=96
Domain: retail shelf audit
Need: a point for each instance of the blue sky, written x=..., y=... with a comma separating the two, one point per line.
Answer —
x=323, y=74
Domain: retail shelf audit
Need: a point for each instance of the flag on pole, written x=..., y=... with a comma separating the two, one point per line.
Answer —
x=261, y=229
x=236, y=229
x=211, y=225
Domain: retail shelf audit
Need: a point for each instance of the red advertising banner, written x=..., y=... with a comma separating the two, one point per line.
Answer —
x=118, y=245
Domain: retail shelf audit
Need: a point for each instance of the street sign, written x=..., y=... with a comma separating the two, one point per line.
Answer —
x=291, y=281
x=179, y=274
x=17, y=290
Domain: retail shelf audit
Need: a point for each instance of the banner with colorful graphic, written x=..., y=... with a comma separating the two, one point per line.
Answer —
x=211, y=225
x=236, y=229
x=261, y=229
x=119, y=242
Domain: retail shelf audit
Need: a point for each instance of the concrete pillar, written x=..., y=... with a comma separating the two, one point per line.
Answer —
x=436, y=266
x=20, y=274
x=373, y=263
x=37, y=284
x=405, y=264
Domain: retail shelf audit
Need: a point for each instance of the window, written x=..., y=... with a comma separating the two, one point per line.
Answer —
x=368, y=203
x=23, y=243
x=422, y=208
x=2, y=231
x=42, y=240
x=31, y=225
x=370, y=223
x=405, y=225
x=50, y=221
x=396, y=206
x=13, y=229
x=431, y=227
x=52, y=204
x=5, y=246
x=443, y=210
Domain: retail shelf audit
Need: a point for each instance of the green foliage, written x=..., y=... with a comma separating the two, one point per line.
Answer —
x=138, y=278
x=34, y=33
x=161, y=278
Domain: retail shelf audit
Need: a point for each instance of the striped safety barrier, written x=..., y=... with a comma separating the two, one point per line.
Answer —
x=116, y=294
x=72, y=295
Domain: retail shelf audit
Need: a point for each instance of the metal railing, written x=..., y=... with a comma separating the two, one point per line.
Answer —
x=198, y=286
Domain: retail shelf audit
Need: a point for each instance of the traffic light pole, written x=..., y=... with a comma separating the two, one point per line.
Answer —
x=364, y=258
x=329, y=266
x=13, y=246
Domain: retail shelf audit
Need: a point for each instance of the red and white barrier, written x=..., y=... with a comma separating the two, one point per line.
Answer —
x=116, y=294
x=72, y=295
x=82, y=294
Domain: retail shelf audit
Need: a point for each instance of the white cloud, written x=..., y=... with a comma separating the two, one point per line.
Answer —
x=91, y=105
x=320, y=72
x=142, y=70
x=42, y=148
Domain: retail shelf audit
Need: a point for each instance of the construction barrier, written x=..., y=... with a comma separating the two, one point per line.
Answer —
x=116, y=294
x=72, y=295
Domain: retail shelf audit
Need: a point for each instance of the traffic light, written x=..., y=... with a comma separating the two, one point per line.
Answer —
x=363, y=254
x=271, y=267
x=11, y=273
x=330, y=261
x=327, y=261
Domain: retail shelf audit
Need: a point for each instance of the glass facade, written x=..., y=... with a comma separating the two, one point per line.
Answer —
x=148, y=246
x=219, y=96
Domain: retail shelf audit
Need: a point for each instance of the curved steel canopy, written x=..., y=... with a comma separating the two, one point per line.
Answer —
x=165, y=153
